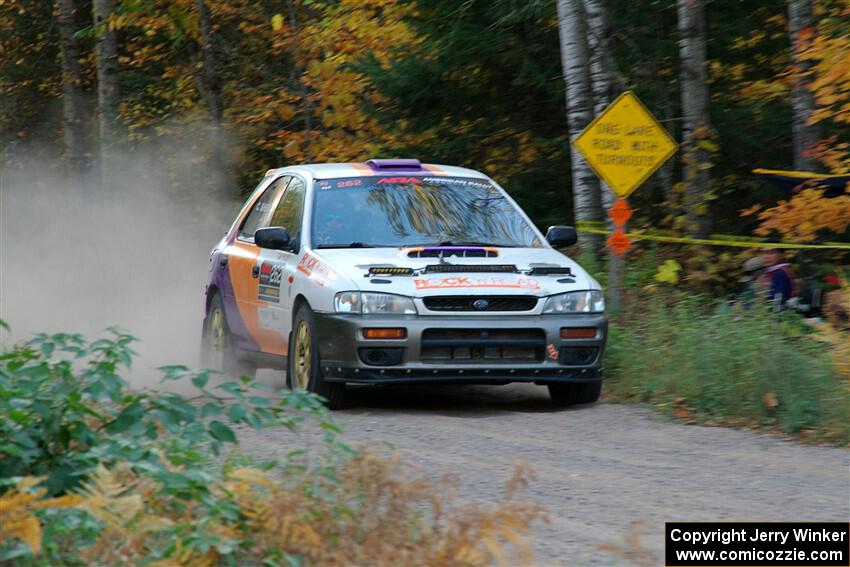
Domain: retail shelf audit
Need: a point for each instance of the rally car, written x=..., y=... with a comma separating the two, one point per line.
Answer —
x=394, y=271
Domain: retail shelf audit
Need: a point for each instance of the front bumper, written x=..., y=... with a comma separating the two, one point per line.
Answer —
x=486, y=343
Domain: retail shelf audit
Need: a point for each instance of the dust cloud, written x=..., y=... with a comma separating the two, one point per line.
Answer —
x=78, y=258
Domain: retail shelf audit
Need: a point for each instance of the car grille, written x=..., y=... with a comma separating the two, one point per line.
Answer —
x=483, y=345
x=480, y=303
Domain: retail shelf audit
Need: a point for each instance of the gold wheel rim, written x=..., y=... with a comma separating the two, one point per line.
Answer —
x=303, y=355
x=216, y=337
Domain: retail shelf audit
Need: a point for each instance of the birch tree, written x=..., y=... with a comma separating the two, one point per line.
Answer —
x=106, y=55
x=805, y=135
x=605, y=79
x=695, y=121
x=73, y=101
x=575, y=61
x=606, y=83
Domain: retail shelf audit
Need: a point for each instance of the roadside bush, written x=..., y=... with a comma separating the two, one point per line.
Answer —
x=703, y=360
x=95, y=473
x=64, y=409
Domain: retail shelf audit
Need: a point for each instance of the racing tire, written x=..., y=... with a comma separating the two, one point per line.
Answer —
x=304, y=369
x=217, y=350
x=563, y=395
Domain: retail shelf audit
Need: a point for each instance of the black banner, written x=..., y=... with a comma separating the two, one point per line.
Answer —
x=757, y=544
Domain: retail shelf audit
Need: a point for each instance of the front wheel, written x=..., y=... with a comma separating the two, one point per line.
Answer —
x=304, y=370
x=570, y=394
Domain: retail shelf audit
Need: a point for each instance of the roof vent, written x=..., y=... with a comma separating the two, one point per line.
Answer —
x=395, y=164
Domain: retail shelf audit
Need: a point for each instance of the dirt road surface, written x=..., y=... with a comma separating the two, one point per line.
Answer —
x=599, y=469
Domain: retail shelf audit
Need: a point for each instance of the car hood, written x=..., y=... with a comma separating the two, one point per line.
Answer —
x=455, y=275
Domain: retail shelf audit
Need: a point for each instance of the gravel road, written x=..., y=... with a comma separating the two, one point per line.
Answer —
x=599, y=469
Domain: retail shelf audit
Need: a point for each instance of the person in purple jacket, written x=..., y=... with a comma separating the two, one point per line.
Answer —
x=780, y=281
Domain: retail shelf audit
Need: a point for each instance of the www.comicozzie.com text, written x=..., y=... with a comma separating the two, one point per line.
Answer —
x=755, y=534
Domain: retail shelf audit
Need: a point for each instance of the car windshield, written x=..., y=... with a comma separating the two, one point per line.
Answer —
x=362, y=212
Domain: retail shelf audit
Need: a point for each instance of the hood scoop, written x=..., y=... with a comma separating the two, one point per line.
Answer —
x=470, y=268
x=550, y=271
x=449, y=251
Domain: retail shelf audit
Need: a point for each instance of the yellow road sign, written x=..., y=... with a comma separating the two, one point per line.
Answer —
x=625, y=144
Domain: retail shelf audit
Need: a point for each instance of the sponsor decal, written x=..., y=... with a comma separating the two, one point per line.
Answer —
x=460, y=181
x=270, y=276
x=475, y=282
x=344, y=183
x=395, y=180
x=350, y=183
x=315, y=270
x=270, y=318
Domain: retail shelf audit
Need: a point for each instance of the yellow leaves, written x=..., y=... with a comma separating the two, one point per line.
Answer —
x=829, y=56
x=754, y=39
x=17, y=507
x=277, y=22
x=751, y=211
x=26, y=528
x=372, y=513
x=105, y=496
x=330, y=95
x=668, y=272
x=286, y=112
x=806, y=214
x=291, y=149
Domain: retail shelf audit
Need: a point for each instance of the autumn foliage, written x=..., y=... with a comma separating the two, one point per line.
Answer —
x=808, y=215
x=805, y=217
x=94, y=473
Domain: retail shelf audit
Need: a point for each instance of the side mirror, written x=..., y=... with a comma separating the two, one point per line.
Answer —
x=273, y=238
x=560, y=236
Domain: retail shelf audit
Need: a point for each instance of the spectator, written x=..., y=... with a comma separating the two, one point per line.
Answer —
x=747, y=290
x=780, y=282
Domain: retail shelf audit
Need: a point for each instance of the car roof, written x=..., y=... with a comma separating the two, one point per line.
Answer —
x=336, y=170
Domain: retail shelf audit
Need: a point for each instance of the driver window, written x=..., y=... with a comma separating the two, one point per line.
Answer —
x=263, y=209
x=290, y=211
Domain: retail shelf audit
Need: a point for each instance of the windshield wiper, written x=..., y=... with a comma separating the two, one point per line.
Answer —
x=349, y=245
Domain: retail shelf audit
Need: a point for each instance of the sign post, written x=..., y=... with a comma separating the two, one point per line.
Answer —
x=624, y=145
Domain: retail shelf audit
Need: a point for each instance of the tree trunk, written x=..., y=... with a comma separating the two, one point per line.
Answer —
x=800, y=19
x=212, y=88
x=576, y=66
x=73, y=101
x=695, y=127
x=106, y=53
x=296, y=77
x=211, y=74
x=606, y=85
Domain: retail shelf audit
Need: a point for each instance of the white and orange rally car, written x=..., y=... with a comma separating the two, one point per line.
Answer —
x=393, y=271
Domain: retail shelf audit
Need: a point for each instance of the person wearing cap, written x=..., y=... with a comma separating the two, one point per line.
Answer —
x=781, y=282
x=748, y=290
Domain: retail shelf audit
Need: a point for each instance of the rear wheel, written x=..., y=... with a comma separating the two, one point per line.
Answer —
x=304, y=371
x=217, y=351
x=571, y=394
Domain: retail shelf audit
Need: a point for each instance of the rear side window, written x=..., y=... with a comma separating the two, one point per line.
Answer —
x=290, y=211
x=262, y=211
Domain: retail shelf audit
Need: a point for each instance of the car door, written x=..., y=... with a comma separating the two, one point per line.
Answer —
x=289, y=214
x=253, y=325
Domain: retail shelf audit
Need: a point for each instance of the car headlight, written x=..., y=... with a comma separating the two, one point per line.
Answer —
x=369, y=303
x=591, y=301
